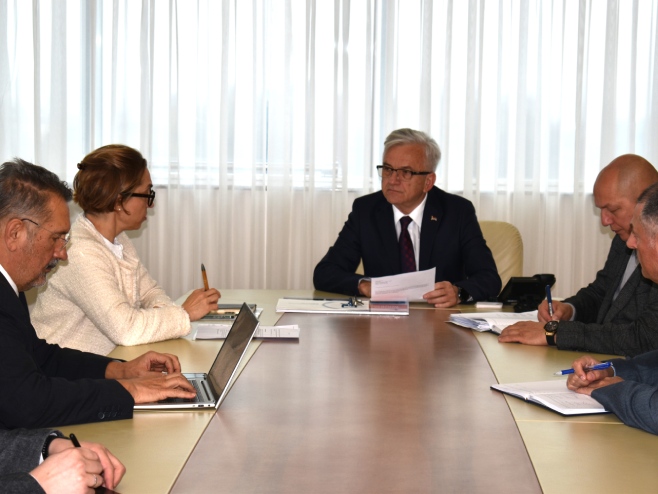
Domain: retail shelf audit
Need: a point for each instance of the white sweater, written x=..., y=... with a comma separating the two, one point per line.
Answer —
x=96, y=301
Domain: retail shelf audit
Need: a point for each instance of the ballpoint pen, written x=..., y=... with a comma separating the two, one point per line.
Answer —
x=205, y=278
x=99, y=489
x=74, y=440
x=602, y=366
x=549, y=299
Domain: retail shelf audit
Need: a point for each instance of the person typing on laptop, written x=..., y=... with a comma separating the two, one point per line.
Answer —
x=43, y=384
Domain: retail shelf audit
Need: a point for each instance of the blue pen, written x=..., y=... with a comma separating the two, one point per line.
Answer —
x=549, y=299
x=602, y=366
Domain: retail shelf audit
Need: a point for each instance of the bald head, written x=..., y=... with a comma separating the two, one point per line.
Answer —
x=617, y=189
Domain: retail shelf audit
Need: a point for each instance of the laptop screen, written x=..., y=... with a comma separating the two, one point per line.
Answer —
x=233, y=348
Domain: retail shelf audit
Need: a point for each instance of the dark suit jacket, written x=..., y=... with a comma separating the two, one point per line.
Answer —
x=44, y=385
x=625, y=326
x=450, y=240
x=634, y=400
x=20, y=452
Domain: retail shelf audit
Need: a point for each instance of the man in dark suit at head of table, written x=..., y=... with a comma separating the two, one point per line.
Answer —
x=618, y=312
x=43, y=384
x=411, y=225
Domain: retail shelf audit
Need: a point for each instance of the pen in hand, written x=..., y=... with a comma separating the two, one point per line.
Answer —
x=74, y=440
x=549, y=299
x=206, y=287
x=76, y=443
x=602, y=366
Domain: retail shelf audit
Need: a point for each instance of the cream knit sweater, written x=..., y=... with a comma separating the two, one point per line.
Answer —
x=96, y=301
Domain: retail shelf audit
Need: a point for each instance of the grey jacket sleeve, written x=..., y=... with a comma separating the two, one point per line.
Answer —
x=20, y=452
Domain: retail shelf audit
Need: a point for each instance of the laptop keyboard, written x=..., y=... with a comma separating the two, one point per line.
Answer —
x=199, y=395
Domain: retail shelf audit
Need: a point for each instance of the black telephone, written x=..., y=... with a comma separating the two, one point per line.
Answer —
x=526, y=292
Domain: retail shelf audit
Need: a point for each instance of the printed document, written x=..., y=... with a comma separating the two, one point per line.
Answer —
x=407, y=286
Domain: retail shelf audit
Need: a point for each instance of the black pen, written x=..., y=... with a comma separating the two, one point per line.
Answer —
x=74, y=440
x=100, y=488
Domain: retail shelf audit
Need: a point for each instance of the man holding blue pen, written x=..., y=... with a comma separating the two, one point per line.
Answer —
x=618, y=312
x=629, y=388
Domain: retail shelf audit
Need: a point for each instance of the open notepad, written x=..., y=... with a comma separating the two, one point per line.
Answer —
x=554, y=395
x=491, y=321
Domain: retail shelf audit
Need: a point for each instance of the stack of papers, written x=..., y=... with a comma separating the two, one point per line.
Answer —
x=491, y=321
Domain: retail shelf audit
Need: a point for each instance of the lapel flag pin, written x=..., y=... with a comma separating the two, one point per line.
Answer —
x=433, y=218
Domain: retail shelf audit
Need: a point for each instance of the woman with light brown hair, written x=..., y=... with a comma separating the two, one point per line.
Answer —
x=105, y=297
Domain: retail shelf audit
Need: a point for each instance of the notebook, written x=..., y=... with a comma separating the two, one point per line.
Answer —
x=213, y=387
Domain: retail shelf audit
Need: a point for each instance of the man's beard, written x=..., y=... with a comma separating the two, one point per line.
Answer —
x=42, y=279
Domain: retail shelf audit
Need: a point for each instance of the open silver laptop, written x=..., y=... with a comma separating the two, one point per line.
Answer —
x=213, y=387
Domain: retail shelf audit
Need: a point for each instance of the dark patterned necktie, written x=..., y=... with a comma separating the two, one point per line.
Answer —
x=406, y=247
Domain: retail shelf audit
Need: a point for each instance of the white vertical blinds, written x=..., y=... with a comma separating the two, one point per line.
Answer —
x=263, y=119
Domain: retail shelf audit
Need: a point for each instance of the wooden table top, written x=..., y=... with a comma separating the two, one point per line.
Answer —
x=363, y=404
x=375, y=404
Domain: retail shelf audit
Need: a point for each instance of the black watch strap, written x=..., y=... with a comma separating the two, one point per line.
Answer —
x=463, y=295
x=46, y=444
x=550, y=329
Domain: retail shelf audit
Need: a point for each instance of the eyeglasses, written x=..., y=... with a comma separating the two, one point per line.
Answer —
x=150, y=196
x=57, y=237
x=386, y=171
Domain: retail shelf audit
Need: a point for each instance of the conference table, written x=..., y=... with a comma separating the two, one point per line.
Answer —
x=374, y=404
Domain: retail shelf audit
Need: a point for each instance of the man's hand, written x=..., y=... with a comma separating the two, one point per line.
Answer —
x=443, y=296
x=74, y=471
x=200, y=302
x=158, y=387
x=113, y=469
x=143, y=365
x=585, y=381
x=561, y=312
x=365, y=287
x=526, y=332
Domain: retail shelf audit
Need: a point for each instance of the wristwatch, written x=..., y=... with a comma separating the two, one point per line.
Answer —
x=463, y=295
x=550, y=329
x=49, y=439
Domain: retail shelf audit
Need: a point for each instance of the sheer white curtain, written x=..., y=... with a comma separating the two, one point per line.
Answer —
x=263, y=120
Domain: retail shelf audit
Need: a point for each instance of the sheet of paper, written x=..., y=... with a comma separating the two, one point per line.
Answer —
x=406, y=286
x=208, y=331
x=327, y=306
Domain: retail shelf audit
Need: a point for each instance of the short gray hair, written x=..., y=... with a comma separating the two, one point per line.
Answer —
x=409, y=136
x=26, y=189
